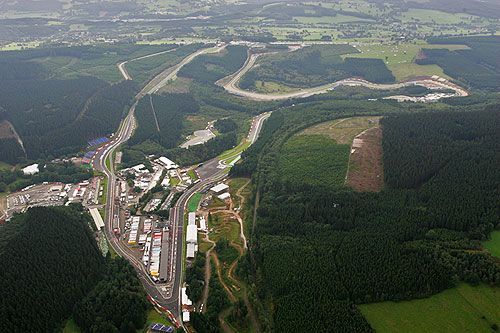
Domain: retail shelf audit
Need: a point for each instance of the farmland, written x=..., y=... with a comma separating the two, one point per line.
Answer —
x=461, y=309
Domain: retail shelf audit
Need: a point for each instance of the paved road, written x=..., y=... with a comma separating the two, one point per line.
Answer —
x=167, y=295
x=230, y=84
x=123, y=69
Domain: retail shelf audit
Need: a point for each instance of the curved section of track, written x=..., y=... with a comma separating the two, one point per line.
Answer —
x=230, y=84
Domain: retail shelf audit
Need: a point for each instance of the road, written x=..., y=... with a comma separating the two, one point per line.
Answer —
x=123, y=69
x=171, y=73
x=230, y=84
x=167, y=295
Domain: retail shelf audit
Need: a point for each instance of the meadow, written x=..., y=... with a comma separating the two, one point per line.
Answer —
x=399, y=58
x=461, y=309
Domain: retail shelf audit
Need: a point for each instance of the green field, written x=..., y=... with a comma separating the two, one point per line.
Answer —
x=461, y=309
x=194, y=201
x=315, y=160
x=493, y=245
x=399, y=58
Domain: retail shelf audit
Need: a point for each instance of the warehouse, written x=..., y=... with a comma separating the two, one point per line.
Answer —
x=166, y=163
x=220, y=188
x=191, y=218
x=192, y=234
x=190, y=250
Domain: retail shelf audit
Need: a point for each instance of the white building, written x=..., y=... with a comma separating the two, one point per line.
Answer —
x=167, y=163
x=224, y=196
x=192, y=234
x=31, y=169
x=220, y=188
x=190, y=250
x=191, y=218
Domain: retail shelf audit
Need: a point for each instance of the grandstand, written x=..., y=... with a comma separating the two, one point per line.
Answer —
x=98, y=142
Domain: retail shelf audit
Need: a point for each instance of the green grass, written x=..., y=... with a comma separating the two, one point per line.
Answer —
x=71, y=327
x=460, y=309
x=174, y=181
x=315, y=160
x=104, y=183
x=193, y=202
x=154, y=317
x=192, y=174
x=5, y=166
x=400, y=58
x=493, y=245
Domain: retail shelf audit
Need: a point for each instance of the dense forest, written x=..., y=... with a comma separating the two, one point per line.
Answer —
x=210, y=68
x=315, y=65
x=49, y=262
x=478, y=66
x=326, y=245
x=57, y=117
x=52, y=269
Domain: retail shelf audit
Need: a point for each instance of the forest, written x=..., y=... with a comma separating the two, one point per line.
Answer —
x=65, y=172
x=478, y=66
x=49, y=262
x=329, y=246
x=315, y=65
x=52, y=269
x=210, y=68
x=57, y=117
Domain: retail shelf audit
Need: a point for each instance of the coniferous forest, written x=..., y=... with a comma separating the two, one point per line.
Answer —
x=334, y=248
x=52, y=269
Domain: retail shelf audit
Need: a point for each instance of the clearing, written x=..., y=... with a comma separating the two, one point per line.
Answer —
x=493, y=244
x=460, y=309
x=365, y=172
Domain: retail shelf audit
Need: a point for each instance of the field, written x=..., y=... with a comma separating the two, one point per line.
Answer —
x=461, y=309
x=344, y=130
x=400, y=58
x=493, y=245
x=194, y=202
x=315, y=160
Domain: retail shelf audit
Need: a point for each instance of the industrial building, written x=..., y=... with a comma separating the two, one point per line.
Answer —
x=166, y=163
x=99, y=223
x=219, y=189
x=191, y=218
x=31, y=169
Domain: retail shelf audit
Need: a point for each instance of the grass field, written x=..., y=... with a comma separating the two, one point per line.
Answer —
x=315, y=160
x=493, y=245
x=400, y=58
x=461, y=309
x=343, y=130
x=272, y=87
x=194, y=201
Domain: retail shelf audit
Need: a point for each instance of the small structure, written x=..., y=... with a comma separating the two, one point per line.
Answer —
x=203, y=224
x=224, y=196
x=190, y=250
x=96, y=216
x=157, y=327
x=31, y=169
x=167, y=163
x=220, y=188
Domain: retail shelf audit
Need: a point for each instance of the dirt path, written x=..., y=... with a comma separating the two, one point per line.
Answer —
x=208, y=274
x=154, y=113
